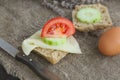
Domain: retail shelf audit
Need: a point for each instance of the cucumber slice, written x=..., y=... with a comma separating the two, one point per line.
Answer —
x=54, y=41
x=89, y=15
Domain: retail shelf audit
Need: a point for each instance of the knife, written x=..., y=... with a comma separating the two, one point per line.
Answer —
x=42, y=72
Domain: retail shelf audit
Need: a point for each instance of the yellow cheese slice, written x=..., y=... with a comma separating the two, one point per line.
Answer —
x=34, y=41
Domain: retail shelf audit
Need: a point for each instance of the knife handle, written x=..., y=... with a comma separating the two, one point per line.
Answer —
x=44, y=73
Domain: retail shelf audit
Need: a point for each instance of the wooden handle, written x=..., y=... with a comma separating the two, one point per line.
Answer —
x=44, y=73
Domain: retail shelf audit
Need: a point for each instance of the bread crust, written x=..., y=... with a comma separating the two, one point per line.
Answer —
x=53, y=56
x=85, y=27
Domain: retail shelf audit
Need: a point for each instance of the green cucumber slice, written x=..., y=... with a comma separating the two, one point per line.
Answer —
x=89, y=15
x=54, y=41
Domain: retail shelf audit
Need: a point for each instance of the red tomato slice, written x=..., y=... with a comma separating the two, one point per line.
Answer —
x=58, y=27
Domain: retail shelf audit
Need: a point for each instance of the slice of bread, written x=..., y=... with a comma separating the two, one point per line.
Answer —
x=53, y=56
x=85, y=27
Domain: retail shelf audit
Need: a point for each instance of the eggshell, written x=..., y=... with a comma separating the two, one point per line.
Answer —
x=109, y=42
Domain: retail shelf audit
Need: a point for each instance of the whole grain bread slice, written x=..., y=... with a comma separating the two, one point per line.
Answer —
x=53, y=56
x=85, y=27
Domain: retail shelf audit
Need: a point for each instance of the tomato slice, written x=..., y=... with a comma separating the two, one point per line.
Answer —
x=58, y=27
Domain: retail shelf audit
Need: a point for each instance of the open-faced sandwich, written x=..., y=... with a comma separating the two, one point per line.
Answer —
x=54, y=41
x=91, y=17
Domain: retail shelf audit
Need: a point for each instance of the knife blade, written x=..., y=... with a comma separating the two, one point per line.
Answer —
x=42, y=72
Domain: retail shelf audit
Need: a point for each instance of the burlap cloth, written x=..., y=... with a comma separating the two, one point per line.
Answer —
x=21, y=18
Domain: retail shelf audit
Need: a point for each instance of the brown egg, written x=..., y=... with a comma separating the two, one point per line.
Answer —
x=109, y=42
